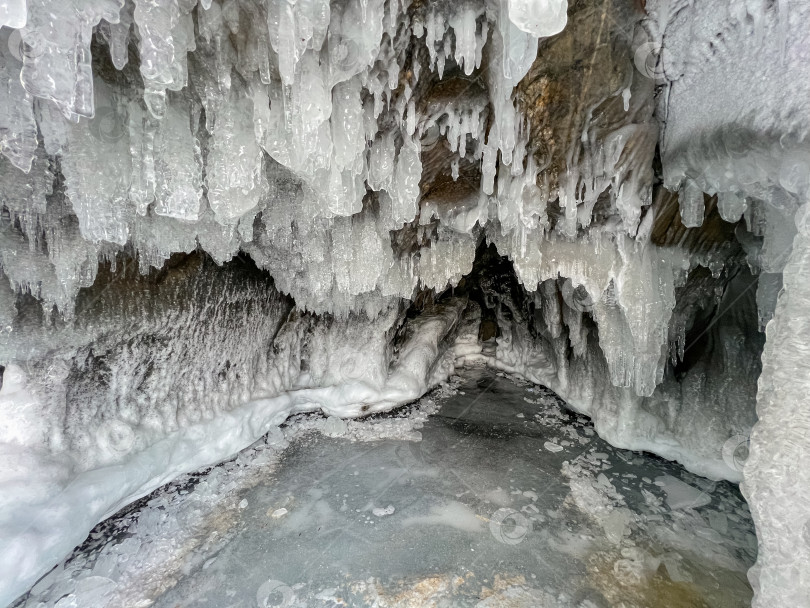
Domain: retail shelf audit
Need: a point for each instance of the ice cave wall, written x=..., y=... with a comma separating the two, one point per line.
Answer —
x=360, y=153
x=208, y=360
x=737, y=127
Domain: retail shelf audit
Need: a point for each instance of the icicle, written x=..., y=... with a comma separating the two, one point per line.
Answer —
x=692, y=205
x=731, y=206
x=18, y=128
x=406, y=182
x=410, y=122
x=464, y=27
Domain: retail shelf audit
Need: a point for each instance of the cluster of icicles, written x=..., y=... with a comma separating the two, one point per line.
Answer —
x=295, y=132
x=304, y=114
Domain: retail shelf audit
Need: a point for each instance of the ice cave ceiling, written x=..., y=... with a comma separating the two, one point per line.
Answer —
x=219, y=213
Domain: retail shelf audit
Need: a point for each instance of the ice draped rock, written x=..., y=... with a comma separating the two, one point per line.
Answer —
x=219, y=213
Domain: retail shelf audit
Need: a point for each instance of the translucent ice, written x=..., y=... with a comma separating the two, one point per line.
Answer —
x=13, y=13
x=539, y=17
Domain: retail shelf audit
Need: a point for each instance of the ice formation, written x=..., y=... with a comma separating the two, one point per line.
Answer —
x=218, y=213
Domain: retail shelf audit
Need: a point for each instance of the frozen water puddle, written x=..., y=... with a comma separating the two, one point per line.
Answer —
x=507, y=500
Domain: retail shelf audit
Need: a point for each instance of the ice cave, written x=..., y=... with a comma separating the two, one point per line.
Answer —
x=402, y=303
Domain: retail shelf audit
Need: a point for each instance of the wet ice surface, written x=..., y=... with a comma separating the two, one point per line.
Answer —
x=507, y=500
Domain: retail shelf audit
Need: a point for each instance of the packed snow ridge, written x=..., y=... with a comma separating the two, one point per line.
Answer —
x=216, y=214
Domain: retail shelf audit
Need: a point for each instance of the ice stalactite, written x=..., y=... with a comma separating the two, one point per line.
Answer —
x=630, y=294
x=330, y=92
x=55, y=53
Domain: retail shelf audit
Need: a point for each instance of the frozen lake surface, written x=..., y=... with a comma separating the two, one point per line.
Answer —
x=508, y=499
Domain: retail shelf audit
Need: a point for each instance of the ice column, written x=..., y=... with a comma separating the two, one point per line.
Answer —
x=777, y=476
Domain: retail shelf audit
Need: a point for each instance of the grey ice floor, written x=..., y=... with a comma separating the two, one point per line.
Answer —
x=508, y=500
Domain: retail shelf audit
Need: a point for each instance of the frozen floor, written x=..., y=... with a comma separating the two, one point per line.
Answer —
x=508, y=500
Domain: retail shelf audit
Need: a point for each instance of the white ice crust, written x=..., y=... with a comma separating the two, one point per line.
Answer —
x=50, y=504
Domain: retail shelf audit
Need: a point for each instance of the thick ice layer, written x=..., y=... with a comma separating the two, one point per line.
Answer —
x=148, y=417
x=341, y=503
x=13, y=13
